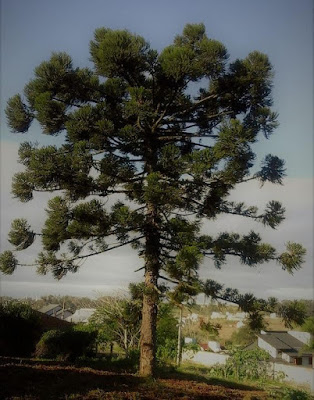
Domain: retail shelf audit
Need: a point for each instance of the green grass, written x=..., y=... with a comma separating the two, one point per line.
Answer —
x=276, y=389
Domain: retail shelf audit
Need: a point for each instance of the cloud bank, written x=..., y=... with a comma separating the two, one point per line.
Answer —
x=115, y=270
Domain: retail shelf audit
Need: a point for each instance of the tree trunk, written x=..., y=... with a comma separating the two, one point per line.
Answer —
x=148, y=330
x=150, y=298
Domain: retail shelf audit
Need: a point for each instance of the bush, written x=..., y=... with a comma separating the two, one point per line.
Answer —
x=243, y=336
x=19, y=329
x=244, y=365
x=295, y=394
x=167, y=351
x=167, y=334
x=65, y=345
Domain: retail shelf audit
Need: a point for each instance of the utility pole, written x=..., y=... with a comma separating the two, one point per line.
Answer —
x=179, y=351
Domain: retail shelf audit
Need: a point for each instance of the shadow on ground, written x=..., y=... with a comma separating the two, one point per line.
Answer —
x=47, y=382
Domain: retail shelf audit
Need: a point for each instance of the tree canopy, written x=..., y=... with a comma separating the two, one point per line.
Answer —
x=132, y=127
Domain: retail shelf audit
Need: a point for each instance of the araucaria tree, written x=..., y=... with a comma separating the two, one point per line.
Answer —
x=131, y=126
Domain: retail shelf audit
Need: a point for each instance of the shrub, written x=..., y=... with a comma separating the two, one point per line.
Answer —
x=19, y=329
x=244, y=365
x=243, y=336
x=295, y=394
x=167, y=334
x=65, y=345
x=167, y=351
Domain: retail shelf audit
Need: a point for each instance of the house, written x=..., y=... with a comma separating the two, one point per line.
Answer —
x=50, y=309
x=240, y=324
x=217, y=315
x=188, y=340
x=288, y=347
x=214, y=346
x=211, y=346
x=55, y=310
x=82, y=315
x=239, y=316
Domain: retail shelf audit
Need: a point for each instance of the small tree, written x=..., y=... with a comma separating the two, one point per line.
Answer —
x=132, y=127
x=120, y=317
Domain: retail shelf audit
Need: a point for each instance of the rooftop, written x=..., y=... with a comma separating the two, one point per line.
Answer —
x=282, y=341
x=49, y=307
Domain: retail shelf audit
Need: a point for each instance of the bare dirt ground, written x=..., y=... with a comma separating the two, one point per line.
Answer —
x=47, y=382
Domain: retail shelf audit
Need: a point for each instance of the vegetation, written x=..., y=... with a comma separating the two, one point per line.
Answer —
x=69, y=367
x=26, y=380
x=243, y=336
x=132, y=127
x=308, y=326
x=66, y=345
x=167, y=334
x=19, y=329
x=245, y=365
x=119, y=319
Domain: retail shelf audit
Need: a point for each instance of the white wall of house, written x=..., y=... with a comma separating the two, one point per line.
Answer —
x=217, y=315
x=188, y=340
x=264, y=345
x=304, y=337
x=205, y=357
x=286, y=357
x=214, y=346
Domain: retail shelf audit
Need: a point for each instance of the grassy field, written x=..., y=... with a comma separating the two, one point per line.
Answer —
x=228, y=327
x=33, y=380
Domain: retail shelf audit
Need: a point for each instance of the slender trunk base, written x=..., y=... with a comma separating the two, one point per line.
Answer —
x=148, y=329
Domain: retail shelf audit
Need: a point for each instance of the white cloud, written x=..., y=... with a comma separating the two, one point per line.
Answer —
x=116, y=268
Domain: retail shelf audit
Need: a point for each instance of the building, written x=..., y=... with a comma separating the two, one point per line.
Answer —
x=288, y=347
x=217, y=315
x=81, y=316
x=55, y=310
x=188, y=340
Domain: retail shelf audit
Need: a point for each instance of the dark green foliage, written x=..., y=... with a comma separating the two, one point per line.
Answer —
x=248, y=364
x=65, y=345
x=292, y=312
x=19, y=329
x=243, y=336
x=18, y=115
x=20, y=235
x=272, y=170
x=132, y=128
x=119, y=319
x=294, y=394
x=119, y=54
x=8, y=262
x=293, y=258
x=167, y=333
x=308, y=325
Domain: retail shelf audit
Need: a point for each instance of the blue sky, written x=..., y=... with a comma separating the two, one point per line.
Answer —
x=283, y=29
